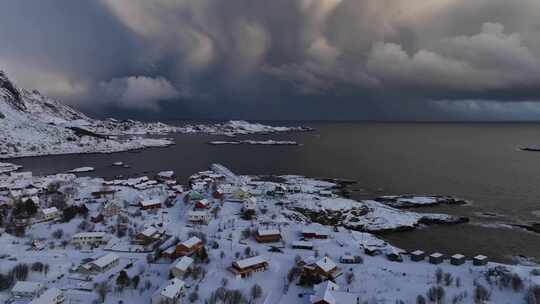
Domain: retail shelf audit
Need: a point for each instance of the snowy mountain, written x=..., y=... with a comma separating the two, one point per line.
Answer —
x=32, y=124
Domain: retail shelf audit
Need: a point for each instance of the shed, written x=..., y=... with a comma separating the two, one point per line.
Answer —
x=418, y=255
x=480, y=260
x=457, y=259
x=436, y=258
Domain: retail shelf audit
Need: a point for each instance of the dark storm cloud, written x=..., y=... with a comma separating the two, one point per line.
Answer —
x=280, y=59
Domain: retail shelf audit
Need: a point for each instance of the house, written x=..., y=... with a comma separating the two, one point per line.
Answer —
x=250, y=204
x=457, y=259
x=100, y=265
x=314, y=233
x=49, y=214
x=89, y=238
x=165, y=176
x=324, y=267
x=51, y=296
x=436, y=258
x=244, y=268
x=150, y=204
x=181, y=267
x=25, y=289
x=198, y=216
x=148, y=236
x=202, y=204
x=325, y=193
x=111, y=208
x=268, y=235
x=170, y=292
x=302, y=245
x=188, y=247
x=418, y=255
x=328, y=292
x=480, y=260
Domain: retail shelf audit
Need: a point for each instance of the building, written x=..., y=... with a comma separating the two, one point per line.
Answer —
x=480, y=260
x=328, y=292
x=326, y=267
x=326, y=193
x=89, y=238
x=151, y=204
x=111, y=208
x=436, y=258
x=250, y=204
x=182, y=267
x=268, y=235
x=202, y=204
x=313, y=233
x=418, y=255
x=100, y=265
x=25, y=289
x=244, y=268
x=350, y=259
x=302, y=245
x=148, y=236
x=51, y=296
x=170, y=292
x=166, y=176
x=198, y=216
x=49, y=214
x=188, y=247
x=457, y=259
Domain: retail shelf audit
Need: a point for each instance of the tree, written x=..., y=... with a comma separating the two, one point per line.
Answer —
x=135, y=281
x=194, y=296
x=123, y=279
x=58, y=233
x=102, y=289
x=436, y=294
x=256, y=291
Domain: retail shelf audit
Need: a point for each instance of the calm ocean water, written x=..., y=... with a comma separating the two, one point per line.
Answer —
x=479, y=162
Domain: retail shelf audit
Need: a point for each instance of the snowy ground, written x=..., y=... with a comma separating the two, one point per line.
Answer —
x=229, y=237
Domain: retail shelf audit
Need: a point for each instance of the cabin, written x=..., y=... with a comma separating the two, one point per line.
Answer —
x=198, y=216
x=329, y=292
x=25, y=289
x=89, y=238
x=436, y=258
x=480, y=260
x=457, y=259
x=202, y=204
x=166, y=176
x=181, y=267
x=51, y=296
x=244, y=268
x=49, y=214
x=313, y=233
x=170, y=292
x=111, y=208
x=188, y=247
x=418, y=255
x=148, y=236
x=268, y=235
x=151, y=204
x=302, y=245
x=324, y=267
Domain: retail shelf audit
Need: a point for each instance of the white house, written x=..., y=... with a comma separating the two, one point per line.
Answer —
x=328, y=292
x=100, y=265
x=25, y=289
x=89, y=238
x=51, y=296
x=198, y=216
x=170, y=292
x=49, y=214
x=181, y=267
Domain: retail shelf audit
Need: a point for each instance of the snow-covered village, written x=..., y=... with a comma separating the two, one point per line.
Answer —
x=225, y=238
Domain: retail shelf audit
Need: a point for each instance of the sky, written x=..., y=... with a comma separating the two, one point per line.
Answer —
x=279, y=59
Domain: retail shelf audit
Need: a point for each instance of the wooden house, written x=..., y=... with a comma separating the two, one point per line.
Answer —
x=181, y=267
x=188, y=247
x=151, y=204
x=268, y=235
x=244, y=268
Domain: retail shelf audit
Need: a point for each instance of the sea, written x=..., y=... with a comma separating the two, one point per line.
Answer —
x=479, y=162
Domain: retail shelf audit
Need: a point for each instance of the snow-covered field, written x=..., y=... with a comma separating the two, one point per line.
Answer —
x=236, y=208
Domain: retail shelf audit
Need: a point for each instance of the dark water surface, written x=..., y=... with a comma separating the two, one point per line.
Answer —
x=478, y=162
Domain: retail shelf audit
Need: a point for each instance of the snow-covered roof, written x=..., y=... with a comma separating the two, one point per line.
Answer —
x=192, y=241
x=26, y=287
x=458, y=256
x=48, y=297
x=166, y=174
x=96, y=234
x=172, y=289
x=197, y=213
x=150, y=202
x=480, y=257
x=323, y=292
x=436, y=255
x=266, y=232
x=326, y=264
x=302, y=244
x=418, y=252
x=251, y=261
x=48, y=211
x=105, y=260
x=184, y=263
x=150, y=231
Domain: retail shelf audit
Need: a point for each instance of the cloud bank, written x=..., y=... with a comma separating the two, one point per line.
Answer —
x=377, y=58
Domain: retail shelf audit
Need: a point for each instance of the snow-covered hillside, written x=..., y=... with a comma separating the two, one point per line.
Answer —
x=32, y=124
